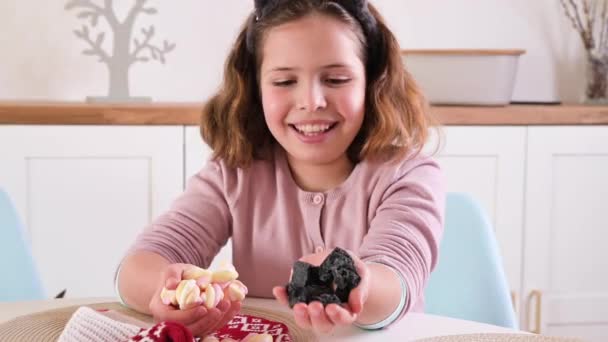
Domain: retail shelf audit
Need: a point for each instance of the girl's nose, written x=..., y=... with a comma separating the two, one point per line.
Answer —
x=311, y=97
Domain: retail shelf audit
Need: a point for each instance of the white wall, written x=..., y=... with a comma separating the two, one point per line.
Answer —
x=40, y=56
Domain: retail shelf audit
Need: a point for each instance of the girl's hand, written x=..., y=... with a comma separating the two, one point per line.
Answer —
x=200, y=320
x=325, y=319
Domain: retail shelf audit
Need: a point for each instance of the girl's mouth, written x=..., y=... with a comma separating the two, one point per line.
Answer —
x=312, y=130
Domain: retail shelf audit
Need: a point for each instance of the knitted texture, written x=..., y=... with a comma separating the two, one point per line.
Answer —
x=88, y=325
x=106, y=325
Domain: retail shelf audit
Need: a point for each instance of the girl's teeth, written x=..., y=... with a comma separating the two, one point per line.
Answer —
x=308, y=129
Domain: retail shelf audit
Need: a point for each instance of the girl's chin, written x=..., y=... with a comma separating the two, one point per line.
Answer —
x=315, y=157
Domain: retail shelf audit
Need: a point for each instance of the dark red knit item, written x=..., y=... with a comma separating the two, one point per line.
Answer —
x=164, y=332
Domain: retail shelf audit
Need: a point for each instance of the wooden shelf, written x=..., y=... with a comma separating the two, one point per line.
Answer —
x=79, y=113
x=522, y=115
x=75, y=113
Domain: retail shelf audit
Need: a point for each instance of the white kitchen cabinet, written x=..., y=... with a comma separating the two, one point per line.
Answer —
x=566, y=231
x=197, y=154
x=85, y=192
x=488, y=162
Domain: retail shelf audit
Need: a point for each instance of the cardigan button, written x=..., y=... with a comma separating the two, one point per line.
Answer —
x=317, y=199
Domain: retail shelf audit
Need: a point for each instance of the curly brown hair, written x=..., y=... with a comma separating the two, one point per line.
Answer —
x=396, y=119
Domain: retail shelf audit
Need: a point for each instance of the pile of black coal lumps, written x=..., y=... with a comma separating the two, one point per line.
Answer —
x=329, y=283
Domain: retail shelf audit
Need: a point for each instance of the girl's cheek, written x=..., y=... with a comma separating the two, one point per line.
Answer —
x=351, y=105
x=276, y=93
x=275, y=101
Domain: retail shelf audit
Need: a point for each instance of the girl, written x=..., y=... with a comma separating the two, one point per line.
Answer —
x=316, y=133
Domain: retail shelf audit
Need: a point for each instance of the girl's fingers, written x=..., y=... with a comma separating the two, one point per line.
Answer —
x=223, y=305
x=171, y=283
x=339, y=315
x=356, y=298
x=280, y=293
x=358, y=295
x=300, y=312
x=166, y=313
x=232, y=310
x=173, y=275
x=206, y=325
x=320, y=322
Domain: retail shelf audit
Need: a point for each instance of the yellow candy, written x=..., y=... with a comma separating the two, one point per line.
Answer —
x=219, y=293
x=210, y=297
x=211, y=339
x=258, y=338
x=236, y=291
x=188, y=294
x=168, y=296
x=195, y=272
x=224, y=275
x=204, y=281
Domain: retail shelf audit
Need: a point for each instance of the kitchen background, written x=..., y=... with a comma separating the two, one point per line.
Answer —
x=538, y=171
x=42, y=59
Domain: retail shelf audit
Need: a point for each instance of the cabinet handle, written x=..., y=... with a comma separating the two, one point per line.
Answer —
x=538, y=295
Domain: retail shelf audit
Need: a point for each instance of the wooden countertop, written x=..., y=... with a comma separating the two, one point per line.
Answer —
x=75, y=113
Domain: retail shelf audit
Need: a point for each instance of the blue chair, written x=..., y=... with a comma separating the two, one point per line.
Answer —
x=469, y=281
x=19, y=278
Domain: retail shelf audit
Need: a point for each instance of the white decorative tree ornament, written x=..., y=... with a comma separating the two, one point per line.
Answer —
x=125, y=50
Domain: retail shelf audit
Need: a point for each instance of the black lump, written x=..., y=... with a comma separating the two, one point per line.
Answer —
x=329, y=283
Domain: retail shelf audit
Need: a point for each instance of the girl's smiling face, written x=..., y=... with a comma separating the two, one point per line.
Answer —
x=312, y=82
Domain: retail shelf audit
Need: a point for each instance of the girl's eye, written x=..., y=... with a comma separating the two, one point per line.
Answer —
x=337, y=81
x=285, y=83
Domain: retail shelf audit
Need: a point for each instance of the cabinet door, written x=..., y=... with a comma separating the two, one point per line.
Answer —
x=566, y=231
x=488, y=163
x=85, y=192
x=197, y=154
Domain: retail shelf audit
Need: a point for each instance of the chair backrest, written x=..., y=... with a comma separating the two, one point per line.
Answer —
x=19, y=278
x=469, y=281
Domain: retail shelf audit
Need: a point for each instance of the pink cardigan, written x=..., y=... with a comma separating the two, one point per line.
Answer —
x=386, y=213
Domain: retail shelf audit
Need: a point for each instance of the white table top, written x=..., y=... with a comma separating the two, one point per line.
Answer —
x=413, y=326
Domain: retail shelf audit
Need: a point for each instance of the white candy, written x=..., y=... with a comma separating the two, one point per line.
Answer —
x=209, y=297
x=203, y=281
x=188, y=294
x=211, y=339
x=257, y=338
x=219, y=293
x=168, y=296
x=236, y=291
x=225, y=273
x=204, y=287
x=195, y=272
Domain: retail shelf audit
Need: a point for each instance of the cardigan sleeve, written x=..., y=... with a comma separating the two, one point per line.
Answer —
x=407, y=227
x=198, y=223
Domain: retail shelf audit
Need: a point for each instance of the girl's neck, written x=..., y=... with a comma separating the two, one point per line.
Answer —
x=320, y=177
